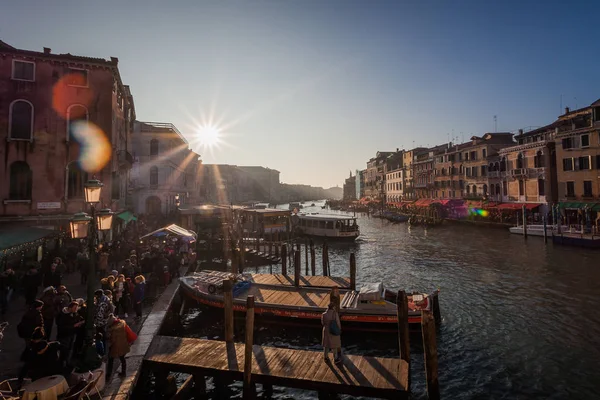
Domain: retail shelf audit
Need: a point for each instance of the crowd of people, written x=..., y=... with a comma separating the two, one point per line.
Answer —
x=56, y=314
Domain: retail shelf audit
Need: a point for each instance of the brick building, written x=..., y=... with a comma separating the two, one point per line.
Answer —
x=46, y=100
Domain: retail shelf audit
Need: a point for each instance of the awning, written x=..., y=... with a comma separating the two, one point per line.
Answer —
x=174, y=229
x=423, y=202
x=579, y=205
x=127, y=216
x=518, y=206
x=16, y=236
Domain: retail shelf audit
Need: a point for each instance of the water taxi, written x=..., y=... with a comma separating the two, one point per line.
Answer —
x=373, y=307
x=328, y=226
x=537, y=230
x=263, y=220
x=295, y=206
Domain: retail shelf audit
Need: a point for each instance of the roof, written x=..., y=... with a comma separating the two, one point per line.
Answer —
x=161, y=127
x=266, y=210
x=326, y=217
x=175, y=229
x=14, y=236
x=6, y=48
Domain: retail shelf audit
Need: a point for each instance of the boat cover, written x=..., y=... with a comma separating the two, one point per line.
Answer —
x=371, y=291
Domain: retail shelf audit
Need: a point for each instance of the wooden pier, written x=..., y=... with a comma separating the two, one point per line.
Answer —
x=356, y=375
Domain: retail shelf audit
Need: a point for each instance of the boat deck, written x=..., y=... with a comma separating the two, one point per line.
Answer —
x=356, y=375
x=287, y=296
x=288, y=280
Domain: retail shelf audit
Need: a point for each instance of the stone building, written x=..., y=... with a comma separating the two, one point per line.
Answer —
x=166, y=169
x=63, y=120
x=360, y=183
x=266, y=179
x=375, y=175
x=578, y=156
x=350, y=188
x=408, y=190
x=449, y=173
x=423, y=171
x=394, y=186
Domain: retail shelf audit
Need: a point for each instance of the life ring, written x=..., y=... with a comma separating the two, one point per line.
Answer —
x=212, y=289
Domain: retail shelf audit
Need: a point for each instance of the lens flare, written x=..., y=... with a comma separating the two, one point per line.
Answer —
x=95, y=150
x=67, y=91
x=208, y=135
x=479, y=211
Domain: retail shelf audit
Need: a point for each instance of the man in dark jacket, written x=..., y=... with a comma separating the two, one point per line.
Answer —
x=42, y=358
x=52, y=277
x=67, y=323
x=31, y=320
x=63, y=298
x=49, y=309
x=31, y=282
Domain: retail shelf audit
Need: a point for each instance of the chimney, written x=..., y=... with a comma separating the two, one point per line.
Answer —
x=47, y=50
x=566, y=110
x=114, y=60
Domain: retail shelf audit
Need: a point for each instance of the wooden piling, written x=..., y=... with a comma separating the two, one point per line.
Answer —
x=306, y=257
x=284, y=259
x=228, y=305
x=435, y=307
x=249, y=386
x=524, y=222
x=271, y=244
x=352, y=271
x=334, y=297
x=199, y=387
x=430, y=350
x=403, y=338
x=325, y=257
x=545, y=227
x=297, y=268
x=312, y=258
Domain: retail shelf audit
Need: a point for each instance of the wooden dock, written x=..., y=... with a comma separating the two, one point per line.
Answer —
x=315, y=281
x=356, y=375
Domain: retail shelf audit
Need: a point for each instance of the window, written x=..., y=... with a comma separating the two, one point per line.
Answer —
x=571, y=142
x=598, y=161
x=154, y=176
x=520, y=161
x=492, y=190
x=485, y=190
x=154, y=147
x=505, y=188
x=587, y=188
x=473, y=155
x=538, y=161
x=75, y=112
x=483, y=170
x=521, y=187
x=541, y=187
x=585, y=140
x=77, y=77
x=567, y=164
x=584, y=162
x=474, y=190
x=484, y=153
x=20, y=120
x=23, y=71
x=503, y=164
x=20, y=181
x=75, y=181
x=570, y=189
x=468, y=189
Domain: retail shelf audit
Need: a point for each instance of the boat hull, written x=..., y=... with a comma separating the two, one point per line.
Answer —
x=535, y=230
x=356, y=321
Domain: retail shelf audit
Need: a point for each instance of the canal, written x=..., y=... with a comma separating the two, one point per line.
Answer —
x=519, y=316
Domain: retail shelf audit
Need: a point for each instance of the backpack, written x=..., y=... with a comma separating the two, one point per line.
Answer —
x=334, y=329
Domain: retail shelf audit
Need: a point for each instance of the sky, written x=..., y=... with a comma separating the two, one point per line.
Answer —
x=314, y=88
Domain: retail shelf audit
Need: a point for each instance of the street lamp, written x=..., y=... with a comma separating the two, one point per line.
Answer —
x=84, y=226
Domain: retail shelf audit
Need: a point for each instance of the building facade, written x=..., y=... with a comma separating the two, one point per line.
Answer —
x=578, y=156
x=394, y=185
x=266, y=179
x=375, y=175
x=360, y=184
x=166, y=170
x=64, y=119
x=350, y=188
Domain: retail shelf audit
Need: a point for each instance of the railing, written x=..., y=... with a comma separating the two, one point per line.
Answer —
x=420, y=185
x=493, y=174
x=518, y=172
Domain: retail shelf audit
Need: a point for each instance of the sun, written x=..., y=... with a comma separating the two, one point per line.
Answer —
x=209, y=136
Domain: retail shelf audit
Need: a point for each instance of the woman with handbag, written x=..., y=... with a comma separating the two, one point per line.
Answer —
x=331, y=333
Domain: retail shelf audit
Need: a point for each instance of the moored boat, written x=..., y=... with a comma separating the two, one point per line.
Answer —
x=537, y=230
x=330, y=226
x=373, y=307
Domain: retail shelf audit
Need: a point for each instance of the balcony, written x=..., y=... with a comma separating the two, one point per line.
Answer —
x=420, y=185
x=518, y=172
x=125, y=159
x=495, y=174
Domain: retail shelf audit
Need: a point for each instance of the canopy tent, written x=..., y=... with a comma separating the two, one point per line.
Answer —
x=579, y=205
x=127, y=216
x=20, y=236
x=174, y=229
x=518, y=206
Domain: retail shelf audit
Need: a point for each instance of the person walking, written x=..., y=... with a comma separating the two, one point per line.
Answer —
x=332, y=330
x=121, y=293
x=63, y=298
x=139, y=293
x=49, y=309
x=83, y=263
x=52, y=277
x=67, y=323
x=31, y=319
x=103, y=262
x=119, y=345
x=101, y=312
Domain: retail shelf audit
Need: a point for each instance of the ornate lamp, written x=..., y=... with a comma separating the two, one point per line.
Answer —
x=93, y=188
x=79, y=225
x=104, y=219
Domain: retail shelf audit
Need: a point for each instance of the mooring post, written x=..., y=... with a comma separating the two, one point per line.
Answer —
x=284, y=259
x=435, y=307
x=306, y=257
x=199, y=386
x=524, y=222
x=312, y=258
x=324, y=259
x=297, y=268
x=545, y=233
x=352, y=271
x=271, y=244
x=430, y=350
x=267, y=390
x=403, y=335
x=249, y=387
x=228, y=305
x=334, y=297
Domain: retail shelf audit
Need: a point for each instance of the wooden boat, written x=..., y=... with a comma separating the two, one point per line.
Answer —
x=330, y=226
x=537, y=230
x=577, y=239
x=371, y=308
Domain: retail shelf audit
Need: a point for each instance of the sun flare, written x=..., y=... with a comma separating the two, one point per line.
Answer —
x=209, y=136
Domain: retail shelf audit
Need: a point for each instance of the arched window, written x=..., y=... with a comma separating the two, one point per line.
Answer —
x=485, y=189
x=474, y=190
x=538, y=161
x=491, y=167
x=468, y=189
x=20, y=119
x=497, y=166
x=492, y=192
x=520, y=161
x=154, y=147
x=76, y=179
x=154, y=176
x=503, y=164
x=75, y=112
x=497, y=188
x=20, y=181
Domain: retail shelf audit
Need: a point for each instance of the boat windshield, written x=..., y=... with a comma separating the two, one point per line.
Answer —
x=347, y=225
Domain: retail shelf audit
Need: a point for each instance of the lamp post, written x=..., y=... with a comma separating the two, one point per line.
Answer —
x=85, y=226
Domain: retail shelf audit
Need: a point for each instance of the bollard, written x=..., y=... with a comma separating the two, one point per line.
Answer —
x=430, y=350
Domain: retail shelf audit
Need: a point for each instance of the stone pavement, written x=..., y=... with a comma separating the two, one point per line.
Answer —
x=12, y=345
